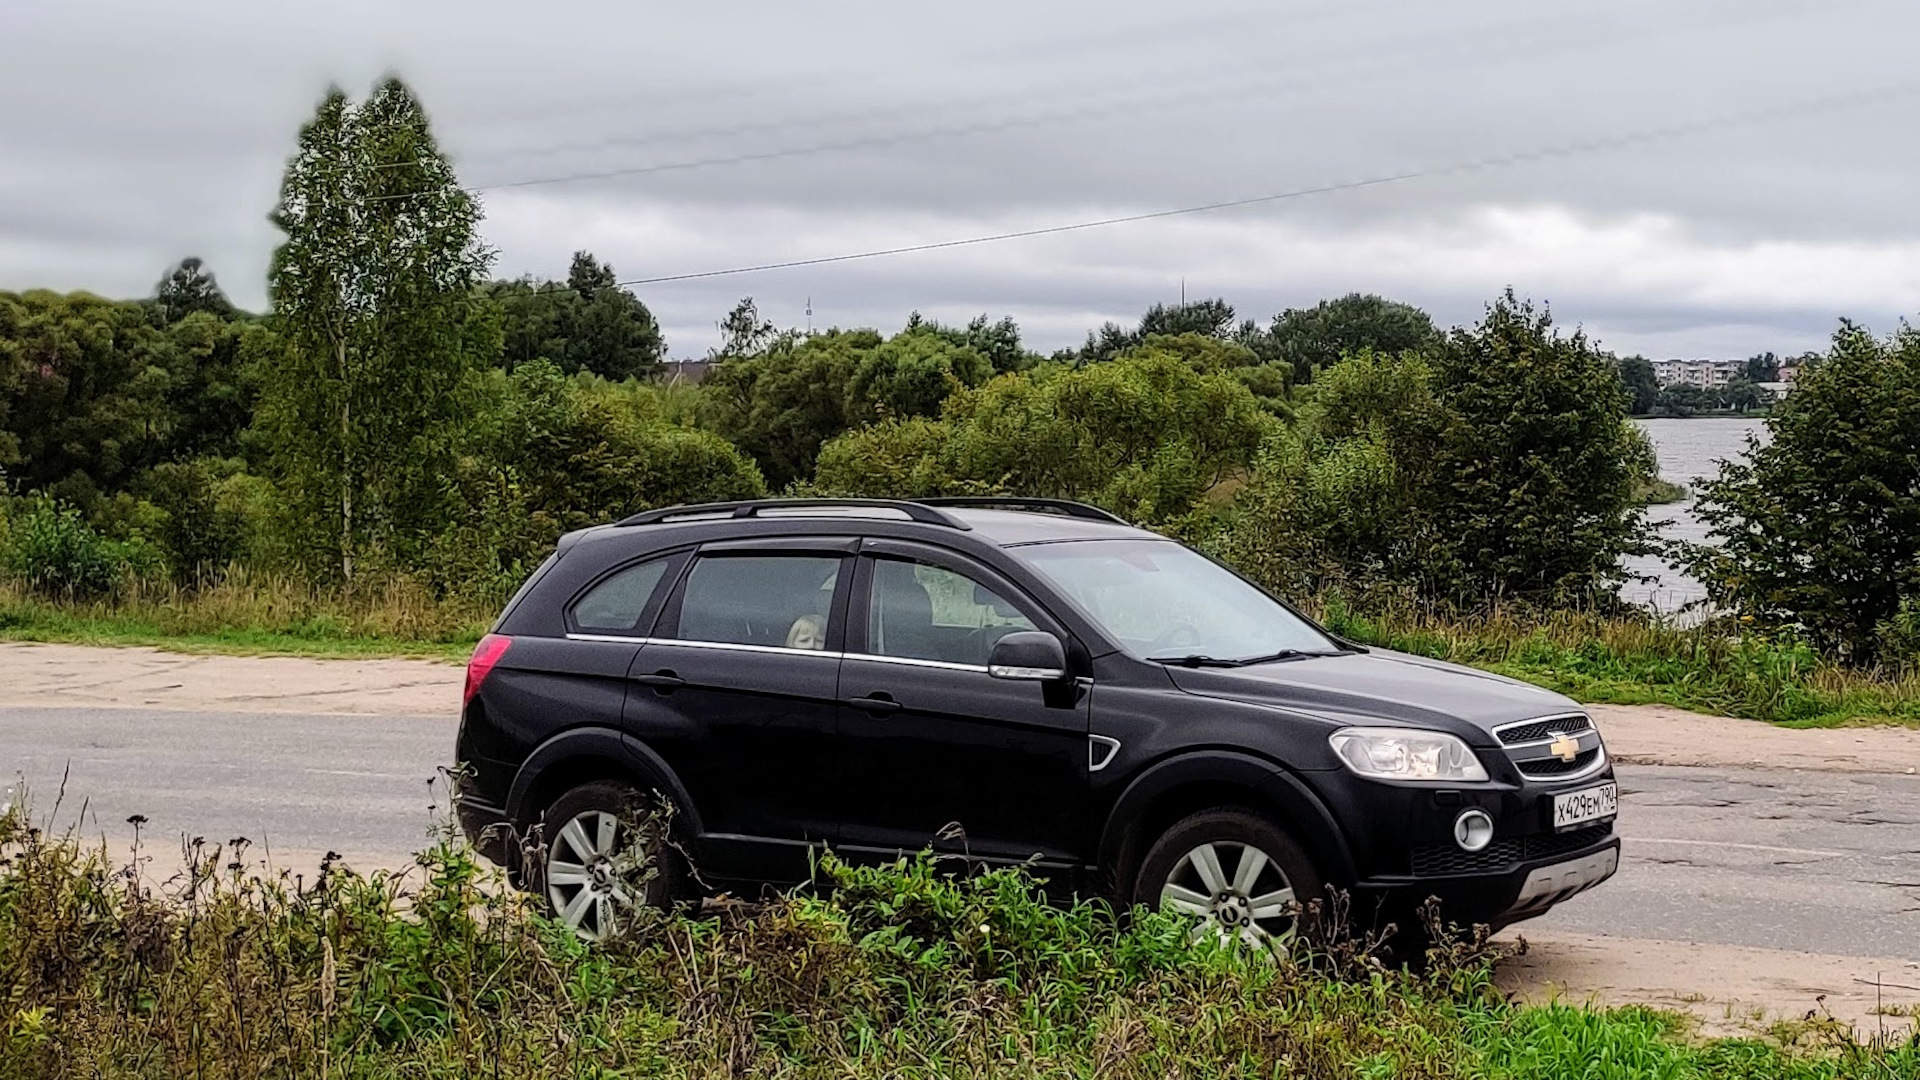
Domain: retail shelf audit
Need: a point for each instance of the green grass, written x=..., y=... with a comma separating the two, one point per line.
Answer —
x=1636, y=661
x=252, y=615
x=894, y=972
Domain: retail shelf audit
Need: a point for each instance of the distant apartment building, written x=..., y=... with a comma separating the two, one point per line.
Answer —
x=1706, y=374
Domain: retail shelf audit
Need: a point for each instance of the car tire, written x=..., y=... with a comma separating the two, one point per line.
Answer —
x=1235, y=871
x=591, y=869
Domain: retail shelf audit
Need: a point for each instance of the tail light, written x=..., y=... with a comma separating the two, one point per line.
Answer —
x=485, y=655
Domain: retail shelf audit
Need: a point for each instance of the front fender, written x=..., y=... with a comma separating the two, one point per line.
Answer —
x=1308, y=819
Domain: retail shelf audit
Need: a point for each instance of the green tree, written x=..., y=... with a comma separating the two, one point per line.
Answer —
x=1643, y=388
x=612, y=334
x=1819, y=529
x=372, y=288
x=781, y=404
x=1207, y=318
x=910, y=374
x=84, y=393
x=1502, y=468
x=1534, y=467
x=998, y=341
x=554, y=453
x=190, y=288
x=587, y=323
x=743, y=332
x=1146, y=435
x=1311, y=339
x=1763, y=367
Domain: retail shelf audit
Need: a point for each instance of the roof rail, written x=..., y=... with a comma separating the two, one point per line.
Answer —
x=746, y=508
x=1015, y=502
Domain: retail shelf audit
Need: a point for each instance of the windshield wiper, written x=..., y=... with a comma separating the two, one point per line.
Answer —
x=1283, y=654
x=1211, y=661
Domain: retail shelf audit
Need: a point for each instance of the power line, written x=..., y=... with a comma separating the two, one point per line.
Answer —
x=1649, y=135
x=1521, y=41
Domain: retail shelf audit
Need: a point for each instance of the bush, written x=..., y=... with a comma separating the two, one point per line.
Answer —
x=1503, y=469
x=1146, y=436
x=51, y=547
x=1820, y=529
x=205, y=520
x=559, y=454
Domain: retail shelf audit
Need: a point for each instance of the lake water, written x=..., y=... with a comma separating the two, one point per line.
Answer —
x=1688, y=450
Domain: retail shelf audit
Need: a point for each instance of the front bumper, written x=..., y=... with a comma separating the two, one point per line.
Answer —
x=1518, y=891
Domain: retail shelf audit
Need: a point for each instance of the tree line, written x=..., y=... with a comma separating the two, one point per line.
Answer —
x=398, y=411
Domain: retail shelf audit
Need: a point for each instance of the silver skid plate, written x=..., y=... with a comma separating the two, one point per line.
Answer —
x=1552, y=884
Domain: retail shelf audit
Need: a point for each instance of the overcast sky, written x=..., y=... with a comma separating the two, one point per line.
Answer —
x=1720, y=176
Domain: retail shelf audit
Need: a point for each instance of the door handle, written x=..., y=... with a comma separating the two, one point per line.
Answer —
x=879, y=704
x=663, y=681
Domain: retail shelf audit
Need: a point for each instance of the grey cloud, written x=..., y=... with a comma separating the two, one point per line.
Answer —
x=156, y=131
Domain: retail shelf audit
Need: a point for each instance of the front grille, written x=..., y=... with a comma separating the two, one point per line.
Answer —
x=1543, y=768
x=1542, y=730
x=1436, y=860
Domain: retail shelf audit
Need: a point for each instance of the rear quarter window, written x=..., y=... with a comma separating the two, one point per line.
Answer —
x=618, y=601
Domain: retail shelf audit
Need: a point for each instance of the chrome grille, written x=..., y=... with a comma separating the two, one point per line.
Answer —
x=1539, y=730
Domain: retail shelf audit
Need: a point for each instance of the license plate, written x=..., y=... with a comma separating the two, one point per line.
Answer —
x=1580, y=807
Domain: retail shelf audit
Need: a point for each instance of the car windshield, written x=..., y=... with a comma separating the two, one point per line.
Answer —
x=1164, y=601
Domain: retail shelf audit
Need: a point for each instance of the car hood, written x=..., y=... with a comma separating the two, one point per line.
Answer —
x=1382, y=687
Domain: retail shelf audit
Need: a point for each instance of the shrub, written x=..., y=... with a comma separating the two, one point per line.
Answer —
x=1146, y=436
x=204, y=521
x=1504, y=468
x=52, y=548
x=1820, y=529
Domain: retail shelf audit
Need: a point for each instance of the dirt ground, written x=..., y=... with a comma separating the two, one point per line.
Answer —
x=1728, y=988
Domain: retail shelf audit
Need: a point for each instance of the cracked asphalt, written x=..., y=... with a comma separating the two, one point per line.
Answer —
x=1814, y=861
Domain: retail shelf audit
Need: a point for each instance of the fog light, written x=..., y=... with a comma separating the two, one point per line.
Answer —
x=1473, y=830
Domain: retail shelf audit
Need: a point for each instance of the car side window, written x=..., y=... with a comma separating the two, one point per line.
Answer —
x=618, y=601
x=777, y=600
x=917, y=611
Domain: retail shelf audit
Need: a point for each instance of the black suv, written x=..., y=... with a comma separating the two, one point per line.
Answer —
x=1013, y=681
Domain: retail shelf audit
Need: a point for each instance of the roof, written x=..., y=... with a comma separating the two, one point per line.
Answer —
x=1011, y=527
x=1002, y=522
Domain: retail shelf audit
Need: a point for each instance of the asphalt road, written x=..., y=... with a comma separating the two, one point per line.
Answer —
x=1806, y=860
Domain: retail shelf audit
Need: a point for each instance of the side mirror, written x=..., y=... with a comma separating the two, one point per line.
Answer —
x=1028, y=655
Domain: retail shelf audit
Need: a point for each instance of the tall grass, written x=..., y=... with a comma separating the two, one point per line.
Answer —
x=1637, y=660
x=251, y=612
x=222, y=972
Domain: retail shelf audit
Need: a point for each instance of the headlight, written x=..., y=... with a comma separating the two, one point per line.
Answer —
x=1407, y=754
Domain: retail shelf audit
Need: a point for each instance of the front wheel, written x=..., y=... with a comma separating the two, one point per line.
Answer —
x=606, y=854
x=1239, y=876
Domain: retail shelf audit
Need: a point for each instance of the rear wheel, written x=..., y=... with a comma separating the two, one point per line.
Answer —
x=1238, y=875
x=606, y=854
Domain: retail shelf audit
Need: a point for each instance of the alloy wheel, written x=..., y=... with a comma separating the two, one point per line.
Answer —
x=590, y=864
x=1237, y=893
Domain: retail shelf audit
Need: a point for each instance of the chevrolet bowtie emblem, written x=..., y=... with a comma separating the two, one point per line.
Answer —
x=1563, y=748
